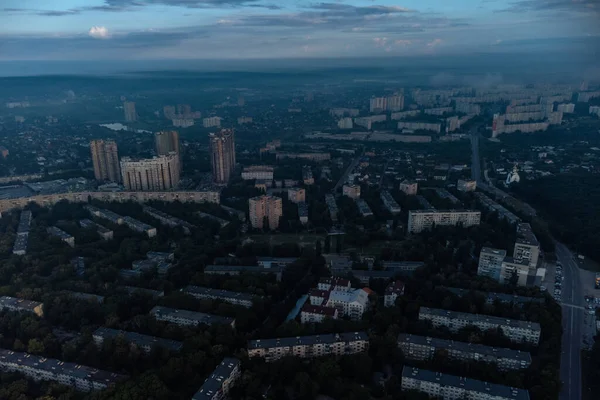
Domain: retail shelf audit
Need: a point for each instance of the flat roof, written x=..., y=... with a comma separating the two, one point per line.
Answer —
x=134, y=289
x=491, y=296
x=475, y=348
x=242, y=268
x=199, y=317
x=137, y=224
x=481, y=318
x=60, y=367
x=7, y=301
x=496, y=252
x=308, y=340
x=214, y=382
x=224, y=294
x=474, y=385
x=139, y=339
x=442, y=211
x=53, y=230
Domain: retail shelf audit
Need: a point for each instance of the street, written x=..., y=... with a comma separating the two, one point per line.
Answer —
x=350, y=168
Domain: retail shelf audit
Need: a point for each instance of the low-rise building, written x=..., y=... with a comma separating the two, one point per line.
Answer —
x=363, y=208
x=169, y=220
x=139, y=226
x=409, y=188
x=334, y=284
x=189, y=318
x=436, y=384
x=303, y=213
x=237, y=298
x=20, y=246
x=492, y=297
x=268, y=262
x=338, y=344
x=392, y=291
x=421, y=348
x=365, y=276
x=144, y=342
x=317, y=314
x=239, y=269
x=402, y=267
x=515, y=330
x=296, y=195
x=352, y=303
x=132, y=290
x=332, y=206
x=94, y=298
x=307, y=175
x=105, y=214
x=261, y=172
x=420, y=220
x=62, y=235
x=352, y=191
x=39, y=368
x=21, y=305
x=389, y=202
x=339, y=265
x=104, y=232
x=220, y=382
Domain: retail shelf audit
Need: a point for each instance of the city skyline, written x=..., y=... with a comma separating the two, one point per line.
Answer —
x=246, y=29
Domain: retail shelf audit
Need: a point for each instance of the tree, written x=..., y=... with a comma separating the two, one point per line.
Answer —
x=35, y=347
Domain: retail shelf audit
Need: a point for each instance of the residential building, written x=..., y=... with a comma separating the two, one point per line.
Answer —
x=492, y=206
x=364, y=208
x=307, y=175
x=421, y=126
x=189, y=318
x=345, y=123
x=420, y=220
x=152, y=174
x=365, y=276
x=491, y=297
x=212, y=122
x=377, y=104
x=269, y=262
x=223, y=378
x=244, y=120
x=105, y=159
x=340, y=112
x=392, y=292
x=334, y=284
x=104, y=233
x=567, y=108
x=106, y=214
x=143, y=291
x=139, y=226
x=260, y=172
x=339, y=265
x=296, y=195
x=144, y=342
x=265, y=207
x=62, y=235
x=332, y=206
x=166, y=142
x=239, y=269
x=20, y=246
x=21, y=305
x=516, y=331
x=352, y=303
x=169, y=220
x=317, y=314
x=490, y=262
x=222, y=155
x=389, y=202
x=594, y=110
x=527, y=246
x=394, y=103
x=317, y=157
x=450, y=387
x=303, y=213
x=39, y=368
x=183, y=122
x=352, y=191
x=338, y=344
x=409, y=188
x=517, y=269
x=422, y=348
x=237, y=298
x=130, y=113
x=404, y=114
x=466, y=185
x=90, y=297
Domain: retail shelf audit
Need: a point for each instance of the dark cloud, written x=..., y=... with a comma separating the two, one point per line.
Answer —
x=577, y=6
x=124, y=4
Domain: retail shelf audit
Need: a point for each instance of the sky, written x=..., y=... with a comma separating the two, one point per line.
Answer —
x=269, y=29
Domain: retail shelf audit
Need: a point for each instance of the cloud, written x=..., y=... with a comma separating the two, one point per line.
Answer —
x=98, y=32
x=380, y=42
x=571, y=6
x=434, y=43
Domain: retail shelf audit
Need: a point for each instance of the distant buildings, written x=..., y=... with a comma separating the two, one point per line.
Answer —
x=566, y=108
x=409, y=188
x=307, y=175
x=80, y=377
x=265, y=207
x=189, y=318
x=438, y=385
x=309, y=346
x=222, y=155
x=317, y=157
x=421, y=126
x=594, y=110
x=144, y=342
x=237, y=298
x=139, y=226
x=303, y=213
x=390, y=103
x=21, y=305
x=20, y=246
x=420, y=220
x=260, y=172
x=422, y=348
x=218, y=384
x=337, y=293
x=212, y=122
x=105, y=159
x=167, y=142
x=153, y=174
x=363, y=208
x=352, y=191
x=104, y=233
x=345, y=123
x=244, y=120
x=392, y=292
x=241, y=269
x=169, y=220
x=296, y=195
x=466, y=185
x=516, y=331
x=130, y=113
x=62, y=235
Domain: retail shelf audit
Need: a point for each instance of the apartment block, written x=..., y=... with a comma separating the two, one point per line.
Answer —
x=212, y=122
x=241, y=269
x=261, y=172
x=515, y=330
x=392, y=292
x=409, y=188
x=450, y=387
x=38, y=368
x=490, y=262
x=104, y=232
x=345, y=123
x=317, y=314
x=422, y=348
x=265, y=207
x=466, y=185
x=352, y=191
x=421, y=126
x=169, y=220
x=218, y=384
x=129, y=110
x=317, y=157
x=363, y=208
x=62, y=235
x=515, y=268
x=420, y=220
x=152, y=174
x=338, y=344
x=332, y=206
x=20, y=246
x=527, y=246
x=21, y=305
x=189, y=318
x=389, y=202
x=237, y=298
x=303, y=213
x=492, y=297
x=296, y=195
x=334, y=284
x=307, y=175
x=139, y=226
x=105, y=160
x=133, y=290
x=340, y=112
x=222, y=155
x=144, y=342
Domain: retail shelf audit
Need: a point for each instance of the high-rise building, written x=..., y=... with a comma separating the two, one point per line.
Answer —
x=105, y=158
x=262, y=207
x=222, y=154
x=152, y=174
x=490, y=262
x=130, y=113
x=166, y=142
x=211, y=122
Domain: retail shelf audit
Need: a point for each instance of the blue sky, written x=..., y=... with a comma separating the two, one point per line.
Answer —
x=230, y=29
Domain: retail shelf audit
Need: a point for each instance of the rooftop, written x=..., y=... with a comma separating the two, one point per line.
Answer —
x=503, y=297
x=214, y=382
x=217, y=293
x=481, y=318
x=139, y=339
x=394, y=287
x=53, y=230
x=242, y=268
x=308, y=340
x=14, y=302
x=500, y=391
x=495, y=252
x=322, y=310
x=198, y=317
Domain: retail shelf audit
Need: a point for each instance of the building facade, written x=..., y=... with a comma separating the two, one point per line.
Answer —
x=105, y=159
x=352, y=191
x=237, y=298
x=260, y=172
x=153, y=174
x=261, y=207
x=490, y=262
x=392, y=292
x=296, y=195
x=409, y=188
x=222, y=155
x=420, y=220
x=130, y=113
x=220, y=382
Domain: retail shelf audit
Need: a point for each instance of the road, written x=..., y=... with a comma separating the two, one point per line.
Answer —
x=572, y=319
x=351, y=167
